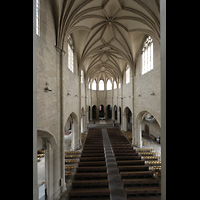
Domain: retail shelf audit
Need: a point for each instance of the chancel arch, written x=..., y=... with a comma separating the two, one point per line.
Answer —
x=101, y=112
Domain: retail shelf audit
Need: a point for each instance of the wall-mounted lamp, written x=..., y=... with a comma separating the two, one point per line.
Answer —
x=139, y=95
x=47, y=89
x=153, y=93
x=68, y=94
x=76, y=95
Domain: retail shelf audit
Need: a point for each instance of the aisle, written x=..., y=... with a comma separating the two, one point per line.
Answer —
x=114, y=178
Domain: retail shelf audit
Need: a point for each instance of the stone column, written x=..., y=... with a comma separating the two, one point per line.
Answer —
x=35, y=172
x=49, y=172
x=163, y=97
x=61, y=129
x=133, y=110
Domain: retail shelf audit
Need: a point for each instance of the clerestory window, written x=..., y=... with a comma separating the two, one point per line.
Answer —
x=147, y=55
x=38, y=17
x=127, y=74
x=70, y=54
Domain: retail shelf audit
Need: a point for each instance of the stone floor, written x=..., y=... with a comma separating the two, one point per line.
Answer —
x=148, y=143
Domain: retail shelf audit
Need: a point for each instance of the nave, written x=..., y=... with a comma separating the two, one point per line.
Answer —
x=110, y=168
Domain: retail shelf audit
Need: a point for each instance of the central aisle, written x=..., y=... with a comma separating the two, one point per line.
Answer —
x=114, y=178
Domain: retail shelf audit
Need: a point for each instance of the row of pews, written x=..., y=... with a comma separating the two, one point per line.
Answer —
x=152, y=159
x=137, y=168
x=40, y=154
x=138, y=178
x=72, y=159
x=91, y=178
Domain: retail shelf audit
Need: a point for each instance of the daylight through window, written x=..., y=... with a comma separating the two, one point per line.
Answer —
x=147, y=55
x=70, y=54
x=38, y=17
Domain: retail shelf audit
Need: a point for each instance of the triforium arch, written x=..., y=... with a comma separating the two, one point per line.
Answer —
x=146, y=119
x=50, y=145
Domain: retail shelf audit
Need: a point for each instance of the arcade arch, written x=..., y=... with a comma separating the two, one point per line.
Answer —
x=46, y=171
x=146, y=124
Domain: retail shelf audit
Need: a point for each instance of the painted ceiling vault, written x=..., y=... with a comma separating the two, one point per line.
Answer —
x=107, y=34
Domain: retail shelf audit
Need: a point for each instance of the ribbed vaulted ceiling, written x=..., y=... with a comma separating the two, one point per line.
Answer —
x=108, y=34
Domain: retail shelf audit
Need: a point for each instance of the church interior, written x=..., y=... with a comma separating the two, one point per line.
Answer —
x=99, y=127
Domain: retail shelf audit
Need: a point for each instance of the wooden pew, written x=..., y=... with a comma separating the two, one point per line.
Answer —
x=89, y=183
x=141, y=181
x=142, y=190
x=92, y=169
x=126, y=154
x=92, y=175
x=128, y=158
x=122, y=147
x=96, y=163
x=125, y=151
x=130, y=162
x=151, y=157
x=93, y=148
x=69, y=161
x=93, y=151
x=90, y=193
x=144, y=150
x=147, y=153
x=72, y=156
x=84, y=159
x=134, y=168
x=135, y=174
x=92, y=154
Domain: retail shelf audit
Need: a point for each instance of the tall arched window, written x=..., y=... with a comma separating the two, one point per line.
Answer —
x=109, y=85
x=94, y=85
x=101, y=85
x=70, y=54
x=119, y=84
x=127, y=74
x=82, y=76
x=115, y=85
x=147, y=55
x=38, y=17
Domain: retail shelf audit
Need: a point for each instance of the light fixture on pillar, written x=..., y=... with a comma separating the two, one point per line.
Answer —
x=47, y=89
x=152, y=93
